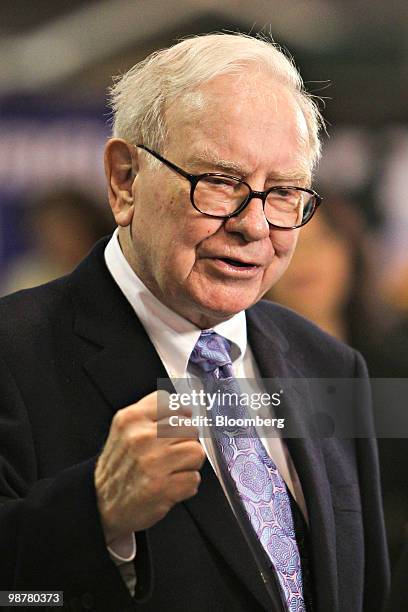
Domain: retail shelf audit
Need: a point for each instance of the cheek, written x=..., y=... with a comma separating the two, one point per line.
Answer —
x=157, y=216
x=177, y=246
x=284, y=243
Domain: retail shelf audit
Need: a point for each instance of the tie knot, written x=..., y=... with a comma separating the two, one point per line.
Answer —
x=211, y=352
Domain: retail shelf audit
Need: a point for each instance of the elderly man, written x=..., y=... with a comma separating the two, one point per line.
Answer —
x=209, y=173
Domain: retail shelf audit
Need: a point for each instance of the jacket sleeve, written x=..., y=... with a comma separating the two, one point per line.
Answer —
x=51, y=537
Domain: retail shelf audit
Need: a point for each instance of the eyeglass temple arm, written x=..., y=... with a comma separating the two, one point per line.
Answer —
x=168, y=163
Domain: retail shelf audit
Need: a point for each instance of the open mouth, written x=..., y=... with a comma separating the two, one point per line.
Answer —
x=236, y=263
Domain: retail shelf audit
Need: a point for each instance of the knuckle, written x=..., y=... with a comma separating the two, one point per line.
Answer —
x=120, y=420
x=151, y=403
x=130, y=441
x=165, y=507
x=197, y=478
x=199, y=452
x=126, y=416
x=139, y=437
x=193, y=485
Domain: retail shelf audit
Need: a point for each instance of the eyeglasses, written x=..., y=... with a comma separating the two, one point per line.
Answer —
x=222, y=196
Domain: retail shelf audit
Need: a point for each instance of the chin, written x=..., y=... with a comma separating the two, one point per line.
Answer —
x=220, y=310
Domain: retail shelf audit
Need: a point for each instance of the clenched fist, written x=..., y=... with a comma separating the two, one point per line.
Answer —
x=140, y=476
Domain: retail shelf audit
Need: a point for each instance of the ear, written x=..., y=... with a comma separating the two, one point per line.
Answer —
x=120, y=168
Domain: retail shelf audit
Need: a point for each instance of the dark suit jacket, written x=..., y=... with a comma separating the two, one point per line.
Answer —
x=72, y=353
x=398, y=599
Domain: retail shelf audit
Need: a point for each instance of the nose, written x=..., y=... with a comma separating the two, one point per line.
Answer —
x=251, y=223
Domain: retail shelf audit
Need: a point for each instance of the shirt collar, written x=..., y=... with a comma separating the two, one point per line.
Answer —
x=173, y=336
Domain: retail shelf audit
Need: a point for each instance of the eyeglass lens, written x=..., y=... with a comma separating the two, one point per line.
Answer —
x=221, y=196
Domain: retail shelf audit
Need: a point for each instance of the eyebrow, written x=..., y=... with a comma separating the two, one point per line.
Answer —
x=212, y=161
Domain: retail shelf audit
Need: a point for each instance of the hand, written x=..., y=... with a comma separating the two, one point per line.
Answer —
x=139, y=476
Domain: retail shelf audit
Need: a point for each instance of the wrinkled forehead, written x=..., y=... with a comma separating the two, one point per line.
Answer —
x=238, y=116
x=245, y=85
x=234, y=107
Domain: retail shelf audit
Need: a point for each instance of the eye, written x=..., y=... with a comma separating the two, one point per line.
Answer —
x=283, y=192
x=220, y=181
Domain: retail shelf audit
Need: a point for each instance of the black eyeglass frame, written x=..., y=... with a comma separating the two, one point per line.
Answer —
x=262, y=195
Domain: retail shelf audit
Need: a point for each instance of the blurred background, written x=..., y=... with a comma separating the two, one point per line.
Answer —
x=350, y=273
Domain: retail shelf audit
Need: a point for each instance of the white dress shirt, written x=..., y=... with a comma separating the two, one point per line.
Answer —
x=174, y=338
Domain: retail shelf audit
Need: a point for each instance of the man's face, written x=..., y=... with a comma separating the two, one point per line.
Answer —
x=256, y=132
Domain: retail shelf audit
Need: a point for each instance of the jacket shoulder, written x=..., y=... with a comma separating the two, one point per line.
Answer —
x=306, y=344
x=28, y=312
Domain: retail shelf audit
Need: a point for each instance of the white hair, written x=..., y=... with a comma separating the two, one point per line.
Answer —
x=138, y=98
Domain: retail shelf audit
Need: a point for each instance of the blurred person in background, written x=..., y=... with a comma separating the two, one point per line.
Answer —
x=60, y=228
x=332, y=281
x=396, y=290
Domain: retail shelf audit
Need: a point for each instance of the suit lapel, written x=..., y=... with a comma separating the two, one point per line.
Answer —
x=212, y=513
x=128, y=370
x=272, y=355
x=124, y=365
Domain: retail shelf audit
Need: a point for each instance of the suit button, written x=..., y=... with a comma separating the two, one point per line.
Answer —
x=87, y=601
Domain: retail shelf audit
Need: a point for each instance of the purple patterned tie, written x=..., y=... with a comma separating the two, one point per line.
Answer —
x=260, y=486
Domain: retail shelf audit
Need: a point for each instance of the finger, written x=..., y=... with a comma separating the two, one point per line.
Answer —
x=159, y=407
x=185, y=456
x=152, y=407
x=178, y=427
x=184, y=485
